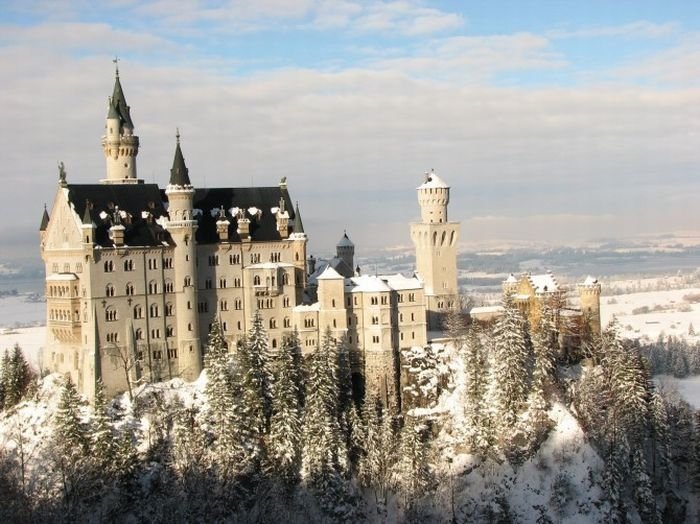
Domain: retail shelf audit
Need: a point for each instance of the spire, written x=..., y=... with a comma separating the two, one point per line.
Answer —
x=298, y=225
x=87, y=218
x=179, y=174
x=44, y=220
x=118, y=106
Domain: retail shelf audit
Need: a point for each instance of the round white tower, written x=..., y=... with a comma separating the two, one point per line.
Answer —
x=119, y=144
x=182, y=227
x=433, y=197
x=435, y=240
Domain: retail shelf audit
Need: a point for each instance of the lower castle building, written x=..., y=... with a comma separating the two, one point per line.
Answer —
x=137, y=274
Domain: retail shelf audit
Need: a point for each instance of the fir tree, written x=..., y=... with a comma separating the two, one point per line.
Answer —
x=224, y=409
x=511, y=357
x=254, y=366
x=643, y=492
x=412, y=468
x=103, y=443
x=70, y=431
x=284, y=441
x=475, y=365
x=324, y=455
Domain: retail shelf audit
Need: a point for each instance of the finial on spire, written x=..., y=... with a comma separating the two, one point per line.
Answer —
x=115, y=60
x=177, y=135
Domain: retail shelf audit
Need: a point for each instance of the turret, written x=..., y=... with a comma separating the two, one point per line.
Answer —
x=433, y=197
x=119, y=144
x=182, y=228
x=345, y=250
x=589, y=292
x=43, y=227
x=435, y=240
x=299, y=240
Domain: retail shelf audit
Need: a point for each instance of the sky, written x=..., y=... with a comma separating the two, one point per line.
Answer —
x=552, y=121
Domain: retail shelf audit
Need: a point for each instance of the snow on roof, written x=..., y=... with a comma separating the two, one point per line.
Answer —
x=368, y=284
x=590, y=281
x=511, y=279
x=481, y=310
x=62, y=277
x=545, y=283
x=433, y=181
x=400, y=282
x=329, y=274
x=269, y=265
x=307, y=307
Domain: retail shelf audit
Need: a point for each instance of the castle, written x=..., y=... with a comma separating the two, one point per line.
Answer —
x=136, y=275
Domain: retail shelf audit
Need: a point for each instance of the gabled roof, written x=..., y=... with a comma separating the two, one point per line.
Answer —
x=330, y=274
x=132, y=200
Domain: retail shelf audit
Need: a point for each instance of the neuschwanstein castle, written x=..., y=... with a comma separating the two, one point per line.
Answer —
x=136, y=274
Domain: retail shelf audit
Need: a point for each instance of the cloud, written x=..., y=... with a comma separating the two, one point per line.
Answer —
x=638, y=29
x=676, y=65
x=475, y=58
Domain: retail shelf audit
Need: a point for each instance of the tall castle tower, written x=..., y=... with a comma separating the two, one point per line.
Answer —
x=119, y=143
x=435, y=240
x=182, y=227
x=589, y=291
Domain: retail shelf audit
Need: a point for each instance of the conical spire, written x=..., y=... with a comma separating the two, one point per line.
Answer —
x=298, y=225
x=118, y=106
x=179, y=174
x=44, y=220
x=87, y=218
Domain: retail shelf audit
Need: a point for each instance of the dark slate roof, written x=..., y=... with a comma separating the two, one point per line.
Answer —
x=179, y=174
x=131, y=198
x=119, y=105
x=263, y=198
x=298, y=225
x=44, y=220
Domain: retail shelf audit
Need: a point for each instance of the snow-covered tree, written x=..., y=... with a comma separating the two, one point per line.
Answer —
x=324, y=456
x=284, y=440
x=412, y=469
x=510, y=365
x=103, y=443
x=254, y=365
x=224, y=410
x=477, y=423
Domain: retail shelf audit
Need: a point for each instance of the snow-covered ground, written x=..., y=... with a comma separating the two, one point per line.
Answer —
x=688, y=388
x=648, y=314
x=31, y=340
x=21, y=310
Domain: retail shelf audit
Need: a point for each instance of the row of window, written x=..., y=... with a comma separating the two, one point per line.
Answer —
x=61, y=291
x=152, y=263
x=66, y=267
x=235, y=259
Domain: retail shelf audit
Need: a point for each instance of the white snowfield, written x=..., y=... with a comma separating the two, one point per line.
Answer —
x=688, y=388
x=669, y=313
x=31, y=340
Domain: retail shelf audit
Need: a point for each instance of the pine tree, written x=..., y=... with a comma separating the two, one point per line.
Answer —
x=284, y=441
x=476, y=371
x=614, y=476
x=223, y=404
x=20, y=377
x=5, y=380
x=412, y=468
x=695, y=483
x=254, y=366
x=660, y=442
x=511, y=358
x=70, y=431
x=103, y=444
x=643, y=492
x=324, y=455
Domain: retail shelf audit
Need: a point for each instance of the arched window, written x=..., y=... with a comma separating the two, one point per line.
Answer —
x=188, y=281
x=138, y=311
x=109, y=266
x=256, y=280
x=110, y=314
x=169, y=288
x=152, y=287
x=154, y=310
x=109, y=290
x=273, y=323
x=129, y=289
x=274, y=343
x=139, y=334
